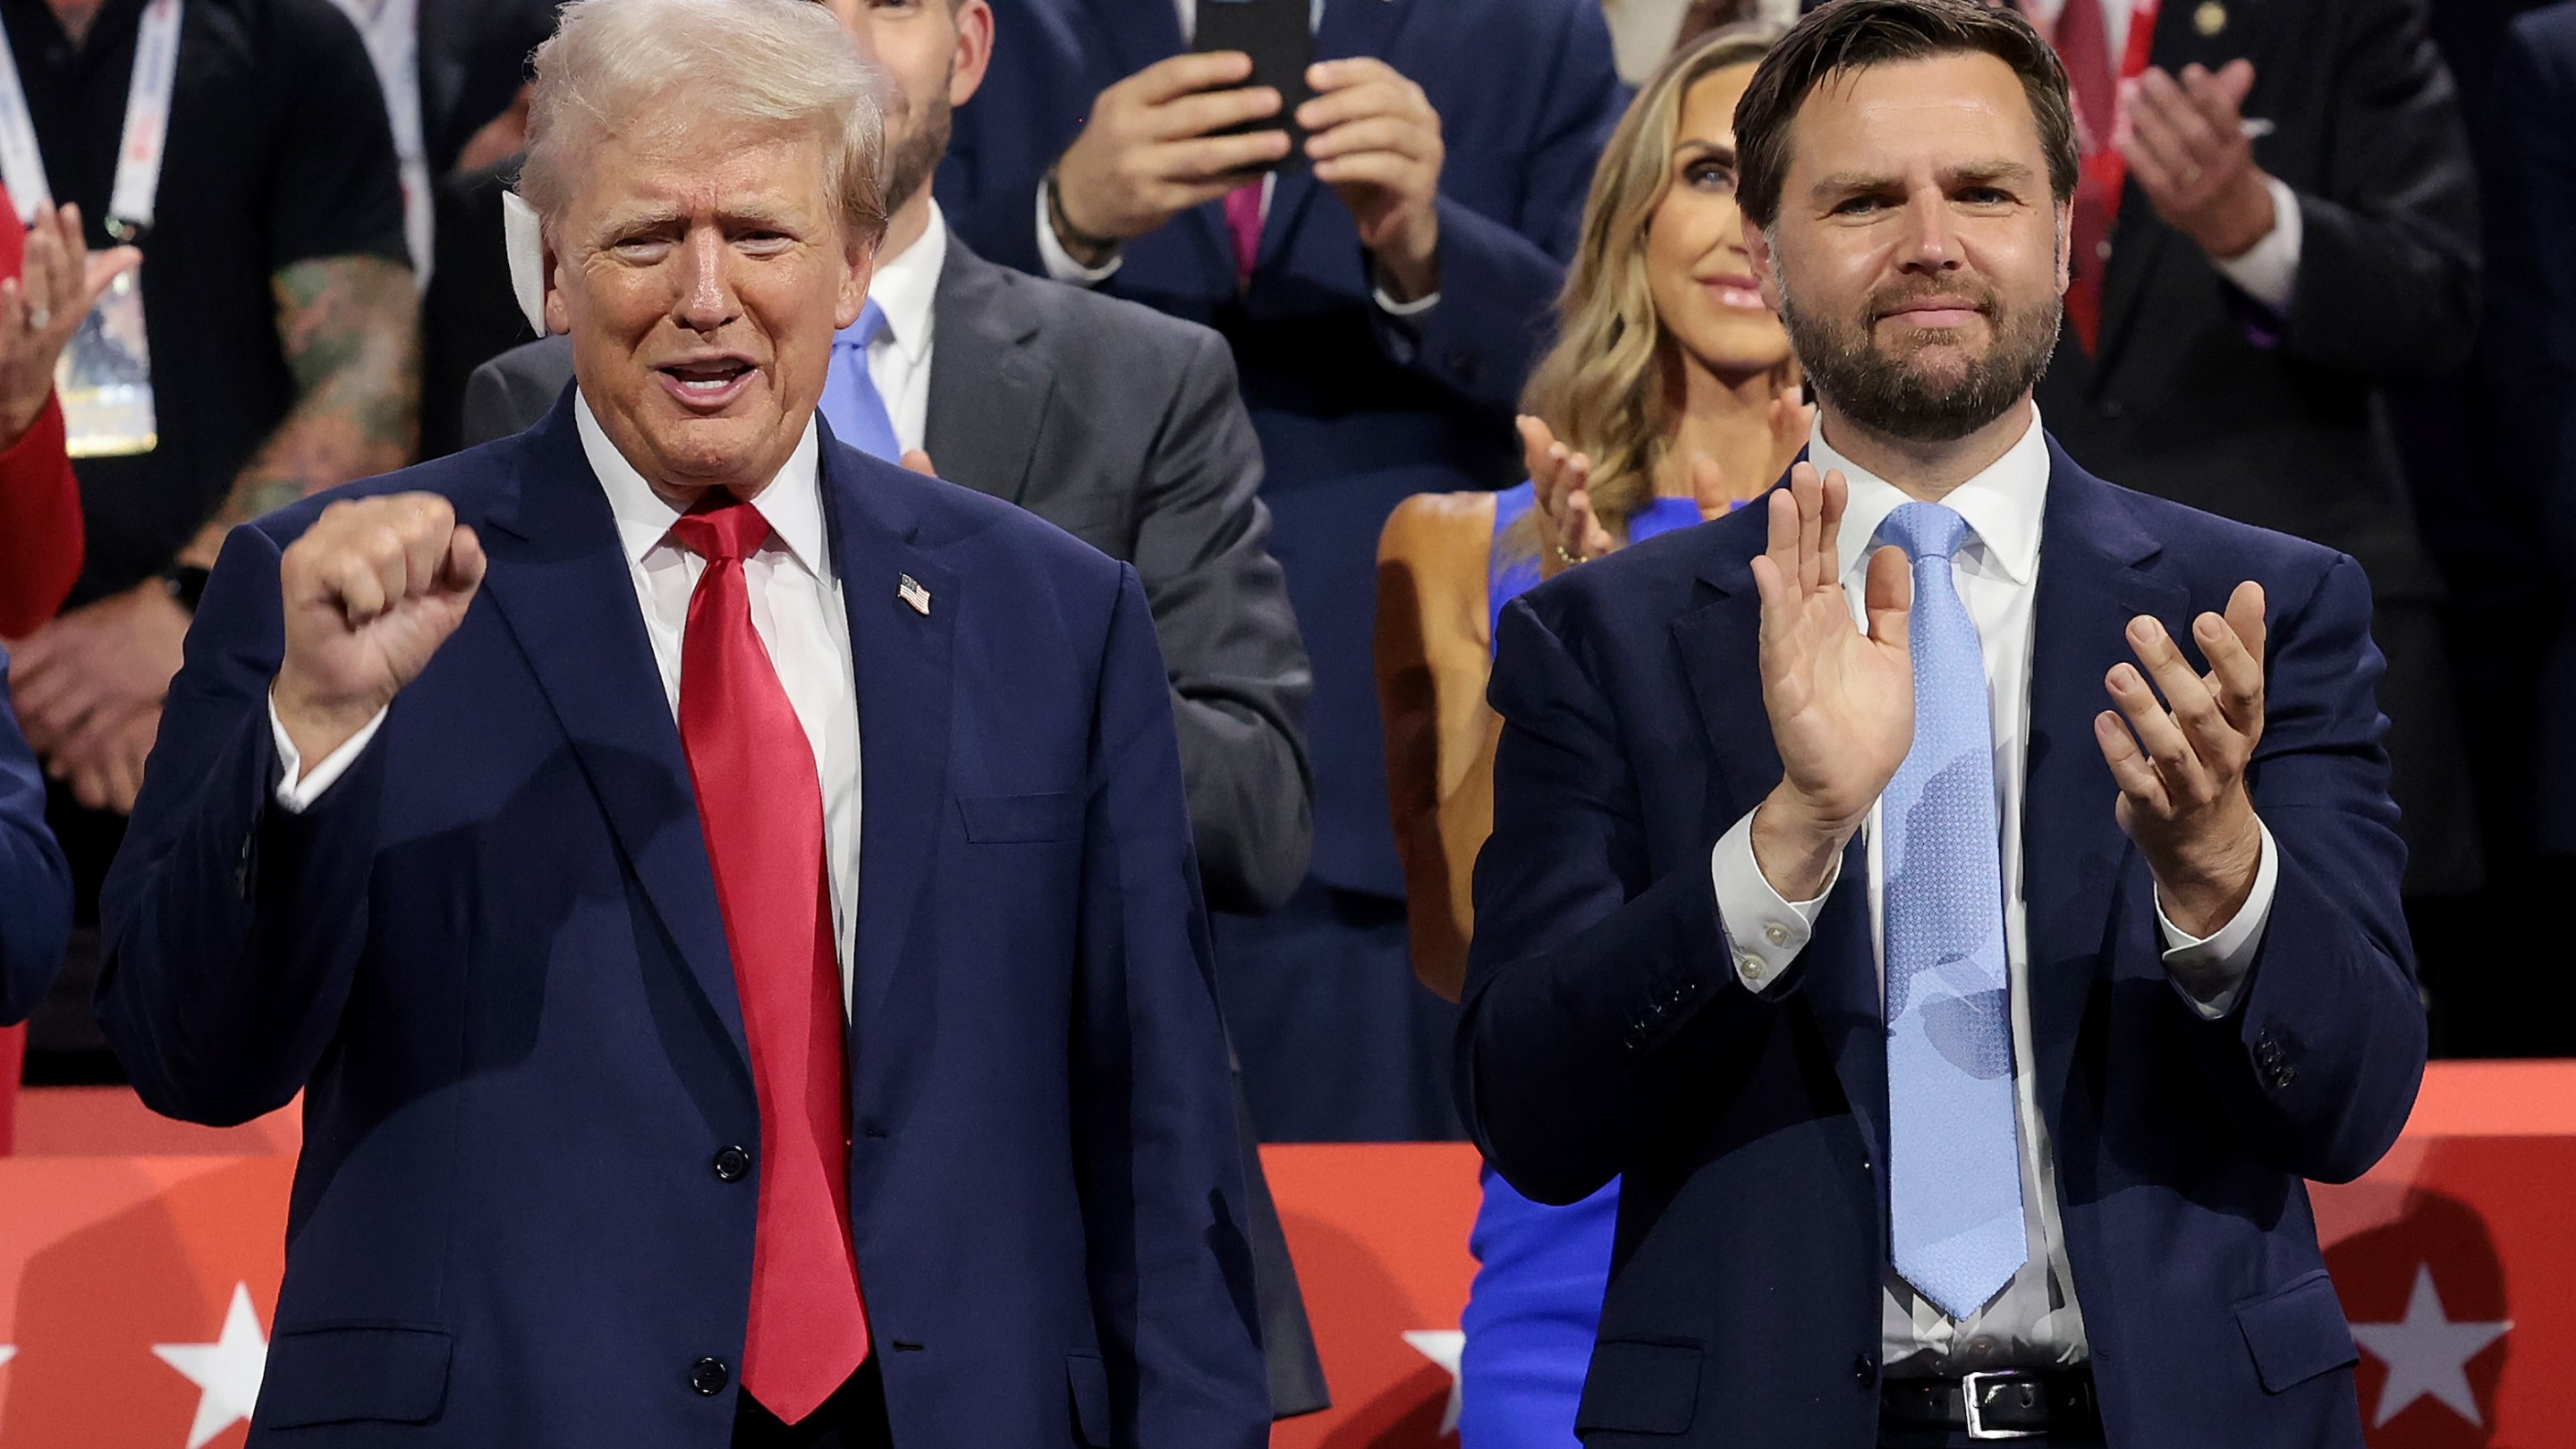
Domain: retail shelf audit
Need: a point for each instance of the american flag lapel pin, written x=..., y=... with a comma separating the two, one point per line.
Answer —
x=909, y=590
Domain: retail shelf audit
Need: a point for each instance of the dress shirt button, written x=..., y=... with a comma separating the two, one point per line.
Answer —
x=1750, y=966
x=1864, y=1370
x=1776, y=934
x=733, y=1164
x=709, y=1376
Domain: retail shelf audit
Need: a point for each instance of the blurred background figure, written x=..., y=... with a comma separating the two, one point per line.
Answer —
x=282, y=329
x=1384, y=293
x=2278, y=221
x=1667, y=399
x=48, y=280
x=1643, y=32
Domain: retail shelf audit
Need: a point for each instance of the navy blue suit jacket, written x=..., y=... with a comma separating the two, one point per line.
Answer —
x=35, y=882
x=491, y=957
x=1605, y=1032
x=1355, y=410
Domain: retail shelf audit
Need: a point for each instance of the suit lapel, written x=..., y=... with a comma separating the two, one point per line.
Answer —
x=902, y=658
x=2090, y=586
x=986, y=394
x=1720, y=645
x=1348, y=28
x=560, y=580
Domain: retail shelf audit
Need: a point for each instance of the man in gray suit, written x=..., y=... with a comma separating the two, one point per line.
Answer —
x=975, y=371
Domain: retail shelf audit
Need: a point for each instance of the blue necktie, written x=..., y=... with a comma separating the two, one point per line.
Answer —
x=1954, y=1173
x=850, y=401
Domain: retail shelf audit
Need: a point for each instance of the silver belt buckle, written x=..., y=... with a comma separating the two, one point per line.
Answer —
x=1968, y=1394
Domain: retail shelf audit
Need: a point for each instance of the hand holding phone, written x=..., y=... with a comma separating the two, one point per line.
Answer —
x=1160, y=142
x=1374, y=137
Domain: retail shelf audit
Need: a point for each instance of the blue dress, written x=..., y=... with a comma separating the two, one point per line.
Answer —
x=1540, y=1271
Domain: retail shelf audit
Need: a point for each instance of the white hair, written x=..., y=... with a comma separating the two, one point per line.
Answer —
x=661, y=68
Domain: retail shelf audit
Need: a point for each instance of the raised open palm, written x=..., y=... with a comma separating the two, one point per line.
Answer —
x=1841, y=701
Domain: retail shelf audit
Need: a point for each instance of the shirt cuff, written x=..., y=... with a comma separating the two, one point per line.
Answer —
x=1394, y=308
x=1060, y=264
x=298, y=788
x=2268, y=272
x=2210, y=970
x=1763, y=932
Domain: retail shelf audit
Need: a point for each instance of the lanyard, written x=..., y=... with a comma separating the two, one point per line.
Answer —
x=138, y=150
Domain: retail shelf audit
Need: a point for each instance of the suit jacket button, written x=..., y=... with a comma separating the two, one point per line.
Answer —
x=732, y=1164
x=1864, y=1371
x=709, y=1376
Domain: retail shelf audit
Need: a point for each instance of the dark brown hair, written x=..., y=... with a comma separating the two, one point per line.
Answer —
x=1849, y=35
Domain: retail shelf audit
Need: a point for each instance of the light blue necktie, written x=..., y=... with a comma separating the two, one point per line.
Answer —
x=850, y=401
x=1954, y=1173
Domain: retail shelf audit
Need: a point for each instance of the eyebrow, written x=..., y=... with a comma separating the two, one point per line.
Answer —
x=1850, y=183
x=1694, y=149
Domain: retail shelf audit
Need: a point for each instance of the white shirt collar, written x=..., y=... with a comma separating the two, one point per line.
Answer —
x=2003, y=504
x=904, y=286
x=792, y=504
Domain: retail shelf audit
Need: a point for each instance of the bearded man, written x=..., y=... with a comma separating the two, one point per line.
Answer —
x=1960, y=897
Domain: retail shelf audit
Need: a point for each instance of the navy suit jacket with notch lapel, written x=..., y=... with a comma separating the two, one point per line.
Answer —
x=1605, y=1032
x=1356, y=411
x=492, y=959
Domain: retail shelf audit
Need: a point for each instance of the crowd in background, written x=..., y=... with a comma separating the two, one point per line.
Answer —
x=2351, y=321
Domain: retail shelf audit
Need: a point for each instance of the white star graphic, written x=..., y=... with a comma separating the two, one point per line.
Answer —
x=2427, y=1353
x=1442, y=1347
x=227, y=1370
x=7, y=1352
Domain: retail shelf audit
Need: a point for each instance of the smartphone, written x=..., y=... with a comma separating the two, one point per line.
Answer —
x=1275, y=34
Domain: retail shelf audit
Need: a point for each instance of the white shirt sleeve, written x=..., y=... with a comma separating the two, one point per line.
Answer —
x=1060, y=264
x=298, y=788
x=1765, y=932
x=2268, y=272
x=2210, y=970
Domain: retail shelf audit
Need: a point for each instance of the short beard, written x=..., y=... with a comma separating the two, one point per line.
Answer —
x=911, y=159
x=1891, y=395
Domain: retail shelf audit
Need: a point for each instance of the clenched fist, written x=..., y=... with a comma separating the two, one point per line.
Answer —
x=371, y=591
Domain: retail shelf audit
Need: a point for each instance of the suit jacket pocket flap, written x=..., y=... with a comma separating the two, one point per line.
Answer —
x=1018, y=819
x=1090, y=1379
x=339, y=1375
x=2297, y=1332
x=1640, y=1388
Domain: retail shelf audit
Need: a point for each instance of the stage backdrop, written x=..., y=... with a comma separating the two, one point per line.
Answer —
x=139, y=1261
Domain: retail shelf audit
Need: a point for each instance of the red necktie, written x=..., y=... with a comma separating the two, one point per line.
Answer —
x=1243, y=223
x=2084, y=47
x=760, y=802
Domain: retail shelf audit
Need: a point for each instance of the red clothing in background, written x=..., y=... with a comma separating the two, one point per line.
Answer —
x=40, y=511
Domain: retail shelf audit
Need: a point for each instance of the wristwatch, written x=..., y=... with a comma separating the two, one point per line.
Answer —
x=186, y=583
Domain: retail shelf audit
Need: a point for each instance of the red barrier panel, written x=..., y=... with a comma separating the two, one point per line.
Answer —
x=139, y=1260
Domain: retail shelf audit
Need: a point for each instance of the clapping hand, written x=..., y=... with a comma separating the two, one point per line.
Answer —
x=2180, y=762
x=42, y=307
x=371, y=591
x=2185, y=142
x=1841, y=701
x=1560, y=479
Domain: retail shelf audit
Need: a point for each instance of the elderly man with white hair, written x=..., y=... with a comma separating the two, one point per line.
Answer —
x=727, y=901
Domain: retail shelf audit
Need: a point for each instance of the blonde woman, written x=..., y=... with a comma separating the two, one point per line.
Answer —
x=1668, y=398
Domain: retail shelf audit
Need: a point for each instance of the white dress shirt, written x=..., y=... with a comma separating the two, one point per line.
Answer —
x=1061, y=266
x=2035, y=1322
x=796, y=608
x=904, y=287
x=2268, y=272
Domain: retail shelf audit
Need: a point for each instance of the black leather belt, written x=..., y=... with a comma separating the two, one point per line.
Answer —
x=2003, y=1404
